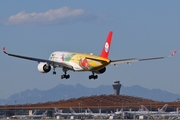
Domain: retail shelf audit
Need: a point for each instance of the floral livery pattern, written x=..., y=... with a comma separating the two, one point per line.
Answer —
x=85, y=64
x=68, y=57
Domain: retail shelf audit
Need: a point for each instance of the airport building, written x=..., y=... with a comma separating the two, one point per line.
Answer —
x=116, y=87
x=97, y=103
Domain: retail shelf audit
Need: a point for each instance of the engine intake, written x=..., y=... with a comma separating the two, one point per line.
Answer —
x=101, y=71
x=44, y=67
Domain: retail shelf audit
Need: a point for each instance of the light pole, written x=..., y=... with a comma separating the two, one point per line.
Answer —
x=79, y=107
x=122, y=104
x=100, y=106
x=178, y=106
x=22, y=109
x=5, y=110
x=15, y=107
x=52, y=111
x=114, y=106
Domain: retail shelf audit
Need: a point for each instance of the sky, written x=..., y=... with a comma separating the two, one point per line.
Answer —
x=141, y=29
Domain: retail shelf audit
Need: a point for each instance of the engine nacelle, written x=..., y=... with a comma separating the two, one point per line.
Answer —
x=101, y=71
x=43, y=67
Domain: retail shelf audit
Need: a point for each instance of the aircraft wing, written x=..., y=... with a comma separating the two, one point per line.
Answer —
x=53, y=63
x=128, y=61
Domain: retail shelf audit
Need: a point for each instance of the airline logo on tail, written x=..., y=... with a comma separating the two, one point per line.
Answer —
x=34, y=113
x=174, y=53
x=106, y=48
x=163, y=109
x=89, y=111
x=45, y=113
x=71, y=110
x=144, y=108
x=57, y=110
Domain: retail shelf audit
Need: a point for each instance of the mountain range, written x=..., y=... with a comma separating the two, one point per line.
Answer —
x=65, y=92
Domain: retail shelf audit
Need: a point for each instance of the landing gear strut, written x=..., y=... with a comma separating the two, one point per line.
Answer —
x=93, y=76
x=54, y=72
x=65, y=75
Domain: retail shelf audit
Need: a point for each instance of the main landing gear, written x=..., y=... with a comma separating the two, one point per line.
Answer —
x=65, y=75
x=93, y=76
x=62, y=76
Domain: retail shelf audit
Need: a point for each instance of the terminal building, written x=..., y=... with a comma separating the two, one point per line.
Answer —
x=97, y=103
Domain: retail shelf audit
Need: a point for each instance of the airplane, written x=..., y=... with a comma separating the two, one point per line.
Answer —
x=37, y=116
x=153, y=114
x=145, y=112
x=79, y=62
x=98, y=115
x=77, y=114
x=58, y=112
x=162, y=110
x=171, y=115
x=23, y=116
x=119, y=112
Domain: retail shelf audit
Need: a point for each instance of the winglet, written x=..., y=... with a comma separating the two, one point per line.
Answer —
x=173, y=53
x=4, y=49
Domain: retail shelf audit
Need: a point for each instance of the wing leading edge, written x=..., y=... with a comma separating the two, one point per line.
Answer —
x=52, y=63
x=128, y=61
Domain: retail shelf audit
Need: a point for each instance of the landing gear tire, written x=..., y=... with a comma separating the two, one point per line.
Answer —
x=62, y=76
x=54, y=72
x=65, y=76
x=93, y=77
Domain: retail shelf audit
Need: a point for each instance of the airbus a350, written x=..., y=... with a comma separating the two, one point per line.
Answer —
x=80, y=61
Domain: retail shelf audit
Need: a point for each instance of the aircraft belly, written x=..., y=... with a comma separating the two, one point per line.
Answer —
x=76, y=66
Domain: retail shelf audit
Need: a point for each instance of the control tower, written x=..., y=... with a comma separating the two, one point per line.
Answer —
x=116, y=87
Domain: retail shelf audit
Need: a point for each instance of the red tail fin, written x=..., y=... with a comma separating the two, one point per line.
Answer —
x=106, y=48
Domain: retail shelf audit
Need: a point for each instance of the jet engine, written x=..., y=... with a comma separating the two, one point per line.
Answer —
x=43, y=67
x=101, y=71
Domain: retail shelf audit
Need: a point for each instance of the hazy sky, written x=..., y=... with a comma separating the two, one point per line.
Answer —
x=140, y=29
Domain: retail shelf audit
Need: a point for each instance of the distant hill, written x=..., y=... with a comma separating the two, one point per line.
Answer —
x=62, y=91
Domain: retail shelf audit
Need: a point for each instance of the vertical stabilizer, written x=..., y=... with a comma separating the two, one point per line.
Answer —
x=89, y=111
x=143, y=108
x=106, y=47
x=45, y=113
x=34, y=113
x=163, y=109
x=71, y=110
